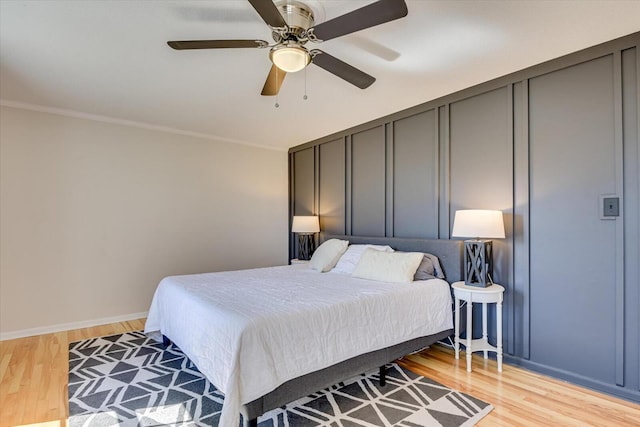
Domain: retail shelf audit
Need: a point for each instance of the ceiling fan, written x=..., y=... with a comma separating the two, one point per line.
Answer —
x=292, y=26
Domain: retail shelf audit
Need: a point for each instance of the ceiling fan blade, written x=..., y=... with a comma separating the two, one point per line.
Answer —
x=215, y=44
x=368, y=16
x=269, y=12
x=342, y=69
x=274, y=81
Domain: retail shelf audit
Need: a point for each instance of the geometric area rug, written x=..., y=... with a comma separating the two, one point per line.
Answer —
x=130, y=380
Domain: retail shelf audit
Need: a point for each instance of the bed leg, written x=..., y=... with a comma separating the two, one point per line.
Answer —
x=383, y=376
x=166, y=341
x=253, y=423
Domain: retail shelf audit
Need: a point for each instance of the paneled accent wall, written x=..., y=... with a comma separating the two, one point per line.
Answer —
x=542, y=145
x=572, y=157
x=332, y=182
x=415, y=176
x=368, y=190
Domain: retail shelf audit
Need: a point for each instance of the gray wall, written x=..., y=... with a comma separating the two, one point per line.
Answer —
x=542, y=145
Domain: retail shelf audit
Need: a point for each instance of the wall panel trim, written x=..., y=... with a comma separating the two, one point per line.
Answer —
x=389, y=178
x=437, y=179
x=348, y=168
x=292, y=184
x=618, y=141
x=508, y=320
x=316, y=180
x=444, y=226
x=521, y=256
x=637, y=47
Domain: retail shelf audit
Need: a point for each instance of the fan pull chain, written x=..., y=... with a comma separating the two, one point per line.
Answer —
x=277, y=105
x=305, y=84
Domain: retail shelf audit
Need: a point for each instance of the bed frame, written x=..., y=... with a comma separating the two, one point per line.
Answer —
x=450, y=254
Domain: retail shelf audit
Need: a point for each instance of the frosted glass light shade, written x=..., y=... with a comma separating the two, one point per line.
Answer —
x=305, y=224
x=478, y=223
x=290, y=58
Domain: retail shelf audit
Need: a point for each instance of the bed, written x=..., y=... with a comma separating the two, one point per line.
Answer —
x=265, y=337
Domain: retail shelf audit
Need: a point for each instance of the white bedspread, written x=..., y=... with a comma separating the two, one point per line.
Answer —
x=250, y=331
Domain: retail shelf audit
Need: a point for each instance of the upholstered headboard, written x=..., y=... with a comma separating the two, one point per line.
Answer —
x=448, y=251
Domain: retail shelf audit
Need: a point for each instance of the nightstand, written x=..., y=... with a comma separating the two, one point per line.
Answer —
x=299, y=261
x=471, y=294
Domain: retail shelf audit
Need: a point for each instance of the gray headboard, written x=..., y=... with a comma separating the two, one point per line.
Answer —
x=449, y=251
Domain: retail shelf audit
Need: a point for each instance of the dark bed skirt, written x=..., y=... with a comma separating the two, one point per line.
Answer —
x=318, y=380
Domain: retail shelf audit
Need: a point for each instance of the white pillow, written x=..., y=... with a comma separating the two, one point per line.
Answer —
x=396, y=267
x=327, y=255
x=351, y=257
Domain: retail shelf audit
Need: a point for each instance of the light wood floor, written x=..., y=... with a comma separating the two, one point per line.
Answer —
x=33, y=386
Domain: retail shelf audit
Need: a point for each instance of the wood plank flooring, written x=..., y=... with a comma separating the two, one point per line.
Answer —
x=33, y=385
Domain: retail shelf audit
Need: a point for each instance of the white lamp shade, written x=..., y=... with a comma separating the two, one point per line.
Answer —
x=305, y=224
x=478, y=223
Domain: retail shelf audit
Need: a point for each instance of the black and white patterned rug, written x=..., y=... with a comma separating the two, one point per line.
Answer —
x=130, y=380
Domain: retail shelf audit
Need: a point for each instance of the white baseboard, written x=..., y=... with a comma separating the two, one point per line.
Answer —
x=69, y=326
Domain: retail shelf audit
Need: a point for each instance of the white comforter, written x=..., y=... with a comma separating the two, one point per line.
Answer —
x=250, y=331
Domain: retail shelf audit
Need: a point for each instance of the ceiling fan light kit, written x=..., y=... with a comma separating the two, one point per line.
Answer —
x=290, y=57
x=292, y=26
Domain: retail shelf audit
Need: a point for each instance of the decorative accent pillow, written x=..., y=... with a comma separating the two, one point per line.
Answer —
x=438, y=271
x=395, y=267
x=425, y=270
x=327, y=255
x=351, y=257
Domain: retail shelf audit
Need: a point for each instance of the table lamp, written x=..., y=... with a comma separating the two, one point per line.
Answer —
x=305, y=227
x=478, y=254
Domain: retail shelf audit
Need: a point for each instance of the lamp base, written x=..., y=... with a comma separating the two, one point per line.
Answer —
x=306, y=246
x=478, y=263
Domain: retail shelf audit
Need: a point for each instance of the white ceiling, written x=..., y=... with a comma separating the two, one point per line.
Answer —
x=110, y=58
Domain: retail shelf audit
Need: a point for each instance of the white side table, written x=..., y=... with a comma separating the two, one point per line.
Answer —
x=471, y=294
x=299, y=261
